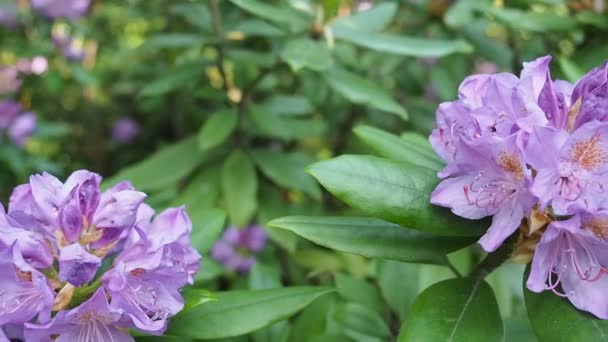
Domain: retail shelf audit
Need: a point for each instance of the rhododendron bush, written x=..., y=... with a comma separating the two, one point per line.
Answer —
x=303, y=170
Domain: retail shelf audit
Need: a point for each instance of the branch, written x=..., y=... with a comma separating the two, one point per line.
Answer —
x=495, y=259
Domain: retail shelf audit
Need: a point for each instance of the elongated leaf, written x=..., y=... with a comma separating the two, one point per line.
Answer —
x=372, y=20
x=194, y=297
x=240, y=187
x=555, y=319
x=534, y=21
x=174, y=40
x=359, y=291
x=398, y=283
x=372, y=238
x=285, y=128
x=396, y=148
x=287, y=105
x=207, y=226
x=360, y=90
x=240, y=312
x=455, y=310
x=162, y=168
x=288, y=170
x=173, y=79
x=361, y=323
x=405, y=46
x=217, y=129
x=295, y=20
x=306, y=53
x=393, y=191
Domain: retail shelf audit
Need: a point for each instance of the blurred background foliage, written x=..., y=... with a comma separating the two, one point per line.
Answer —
x=221, y=105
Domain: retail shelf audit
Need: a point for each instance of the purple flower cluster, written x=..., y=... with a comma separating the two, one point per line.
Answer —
x=71, y=47
x=237, y=248
x=18, y=125
x=53, y=9
x=520, y=148
x=79, y=264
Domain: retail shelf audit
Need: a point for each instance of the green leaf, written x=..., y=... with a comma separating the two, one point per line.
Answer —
x=404, y=46
x=547, y=21
x=306, y=53
x=454, y=310
x=209, y=270
x=555, y=319
x=311, y=323
x=263, y=276
x=372, y=238
x=572, y=71
x=359, y=291
x=393, y=191
x=202, y=192
x=240, y=312
x=398, y=283
x=207, y=227
x=194, y=297
x=173, y=79
x=173, y=40
x=165, y=167
x=287, y=105
x=286, y=128
x=373, y=20
x=240, y=187
x=318, y=260
x=295, y=20
x=396, y=148
x=287, y=170
x=217, y=129
x=362, y=91
x=361, y=323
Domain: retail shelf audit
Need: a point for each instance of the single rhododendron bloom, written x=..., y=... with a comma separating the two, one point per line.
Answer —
x=237, y=248
x=532, y=153
x=54, y=240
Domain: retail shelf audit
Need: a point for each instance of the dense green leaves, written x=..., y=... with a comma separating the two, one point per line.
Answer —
x=306, y=53
x=456, y=310
x=239, y=312
x=359, y=90
x=162, y=168
x=285, y=128
x=217, y=129
x=240, y=187
x=287, y=170
x=372, y=20
x=372, y=238
x=173, y=80
x=281, y=15
x=393, y=191
x=555, y=319
x=396, y=148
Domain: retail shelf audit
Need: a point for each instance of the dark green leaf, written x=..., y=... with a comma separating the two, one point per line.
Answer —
x=217, y=129
x=372, y=238
x=288, y=170
x=547, y=21
x=288, y=105
x=306, y=53
x=454, y=310
x=240, y=312
x=286, y=128
x=393, y=191
x=398, y=283
x=361, y=323
x=295, y=20
x=207, y=227
x=359, y=291
x=360, y=90
x=240, y=187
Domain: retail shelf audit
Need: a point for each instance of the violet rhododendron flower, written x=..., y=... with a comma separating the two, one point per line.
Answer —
x=237, y=248
x=532, y=153
x=54, y=239
x=17, y=125
x=53, y=9
x=125, y=130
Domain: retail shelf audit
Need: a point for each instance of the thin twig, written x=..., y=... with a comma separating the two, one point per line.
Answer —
x=216, y=17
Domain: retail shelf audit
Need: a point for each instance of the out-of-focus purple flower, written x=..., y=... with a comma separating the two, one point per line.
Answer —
x=237, y=248
x=570, y=168
x=22, y=128
x=125, y=130
x=10, y=80
x=8, y=112
x=76, y=265
x=572, y=254
x=37, y=65
x=71, y=47
x=485, y=67
x=9, y=14
x=93, y=320
x=53, y=9
x=24, y=292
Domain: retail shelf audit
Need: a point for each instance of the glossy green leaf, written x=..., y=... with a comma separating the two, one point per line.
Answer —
x=195, y=297
x=360, y=90
x=359, y=291
x=398, y=282
x=287, y=105
x=165, y=167
x=395, y=148
x=286, y=16
x=264, y=276
x=217, y=129
x=240, y=187
x=393, y=191
x=455, y=310
x=361, y=323
x=307, y=53
x=372, y=238
x=240, y=312
x=555, y=319
x=207, y=225
x=373, y=20
x=312, y=321
x=287, y=170
x=403, y=45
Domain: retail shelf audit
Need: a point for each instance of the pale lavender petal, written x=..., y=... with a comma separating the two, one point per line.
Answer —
x=76, y=265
